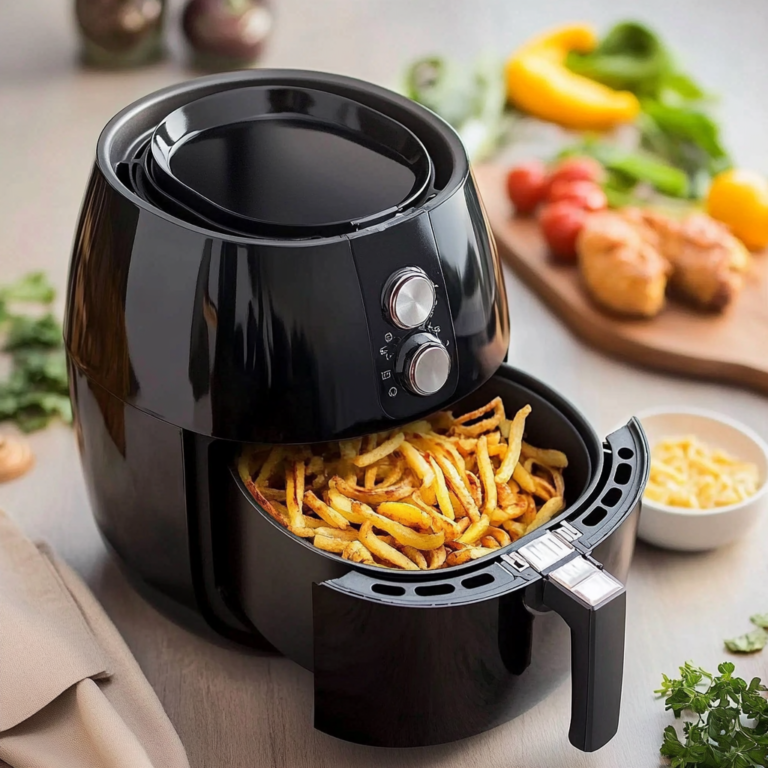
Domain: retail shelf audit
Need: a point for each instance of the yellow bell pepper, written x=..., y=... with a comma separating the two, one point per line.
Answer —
x=539, y=83
x=740, y=200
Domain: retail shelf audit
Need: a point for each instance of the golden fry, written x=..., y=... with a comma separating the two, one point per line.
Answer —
x=524, y=479
x=512, y=456
x=342, y=504
x=373, y=495
x=485, y=468
x=475, y=531
x=417, y=427
x=547, y=458
x=387, y=447
x=330, y=543
x=294, y=480
x=514, y=528
x=439, y=522
x=321, y=509
x=270, y=465
x=402, y=533
x=459, y=557
x=435, y=558
x=393, y=475
x=350, y=448
x=357, y=553
x=453, y=479
x=461, y=425
x=502, y=514
x=384, y=551
x=415, y=556
x=475, y=489
x=500, y=535
x=546, y=513
x=417, y=463
x=335, y=533
x=441, y=490
x=265, y=504
x=436, y=493
x=404, y=513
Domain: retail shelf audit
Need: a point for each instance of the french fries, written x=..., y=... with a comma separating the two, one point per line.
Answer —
x=436, y=493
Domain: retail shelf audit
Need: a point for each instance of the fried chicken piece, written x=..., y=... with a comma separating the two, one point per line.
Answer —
x=708, y=262
x=621, y=264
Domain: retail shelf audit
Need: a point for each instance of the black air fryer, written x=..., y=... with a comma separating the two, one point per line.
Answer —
x=295, y=257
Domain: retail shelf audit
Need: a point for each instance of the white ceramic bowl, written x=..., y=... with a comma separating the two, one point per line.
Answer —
x=698, y=530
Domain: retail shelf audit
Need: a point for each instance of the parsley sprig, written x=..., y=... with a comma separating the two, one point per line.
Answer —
x=36, y=390
x=731, y=729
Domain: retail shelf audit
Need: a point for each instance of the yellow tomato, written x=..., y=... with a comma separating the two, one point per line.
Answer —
x=739, y=199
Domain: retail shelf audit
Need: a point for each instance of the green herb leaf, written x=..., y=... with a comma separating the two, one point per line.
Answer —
x=760, y=619
x=629, y=58
x=25, y=331
x=749, y=642
x=37, y=389
x=731, y=725
x=32, y=287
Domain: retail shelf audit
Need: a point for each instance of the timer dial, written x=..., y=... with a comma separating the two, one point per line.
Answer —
x=427, y=368
x=409, y=298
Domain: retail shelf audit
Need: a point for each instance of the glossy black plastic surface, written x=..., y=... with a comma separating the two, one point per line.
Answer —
x=135, y=476
x=288, y=161
x=171, y=509
x=351, y=624
x=270, y=340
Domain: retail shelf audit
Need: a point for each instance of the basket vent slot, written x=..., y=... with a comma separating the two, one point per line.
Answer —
x=623, y=473
x=473, y=582
x=596, y=516
x=435, y=589
x=388, y=589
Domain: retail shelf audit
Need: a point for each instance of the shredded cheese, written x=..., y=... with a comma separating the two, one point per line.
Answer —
x=688, y=473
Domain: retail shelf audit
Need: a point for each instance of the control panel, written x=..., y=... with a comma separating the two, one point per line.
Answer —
x=409, y=319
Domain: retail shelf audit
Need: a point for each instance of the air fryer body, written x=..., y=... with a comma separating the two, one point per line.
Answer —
x=185, y=342
x=270, y=340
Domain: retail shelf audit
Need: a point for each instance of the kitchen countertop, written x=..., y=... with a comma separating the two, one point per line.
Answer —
x=235, y=709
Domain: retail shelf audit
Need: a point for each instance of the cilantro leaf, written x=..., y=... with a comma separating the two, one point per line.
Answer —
x=749, y=642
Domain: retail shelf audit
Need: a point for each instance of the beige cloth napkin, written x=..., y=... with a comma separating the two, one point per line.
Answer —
x=71, y=693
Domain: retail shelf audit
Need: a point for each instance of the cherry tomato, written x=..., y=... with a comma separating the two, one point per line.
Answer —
x=584, y=194
x=527, y=185
x=561, y=223
x=577, y=169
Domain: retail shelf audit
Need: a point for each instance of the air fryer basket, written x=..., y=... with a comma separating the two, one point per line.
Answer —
x=416, y=658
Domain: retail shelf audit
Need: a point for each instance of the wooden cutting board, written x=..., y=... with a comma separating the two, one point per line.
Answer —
x=732, y=347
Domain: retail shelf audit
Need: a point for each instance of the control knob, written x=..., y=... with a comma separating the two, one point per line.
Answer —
x=427, y=365
x=409, y=298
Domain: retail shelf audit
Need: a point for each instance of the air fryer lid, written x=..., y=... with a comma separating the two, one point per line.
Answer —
x=287, y=161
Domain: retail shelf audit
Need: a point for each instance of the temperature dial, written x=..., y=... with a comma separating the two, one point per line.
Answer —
x=427, y=367
x=409, y=298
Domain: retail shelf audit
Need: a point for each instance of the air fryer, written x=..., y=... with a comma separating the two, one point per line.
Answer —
x=290, y=257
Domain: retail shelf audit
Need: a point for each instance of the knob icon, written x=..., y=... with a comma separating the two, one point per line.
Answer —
x=409, y=298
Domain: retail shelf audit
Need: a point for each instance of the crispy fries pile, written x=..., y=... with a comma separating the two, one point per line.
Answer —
x=436, y=493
